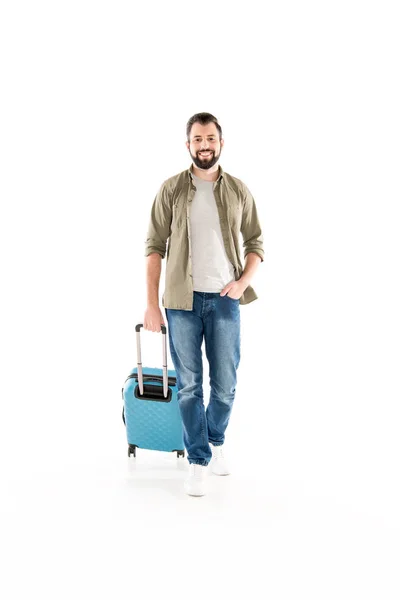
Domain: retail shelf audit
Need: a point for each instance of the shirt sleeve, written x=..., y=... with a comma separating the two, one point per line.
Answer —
x=159, y=228
x=250, y=229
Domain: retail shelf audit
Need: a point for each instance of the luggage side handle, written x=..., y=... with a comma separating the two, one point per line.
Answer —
x=139, y=359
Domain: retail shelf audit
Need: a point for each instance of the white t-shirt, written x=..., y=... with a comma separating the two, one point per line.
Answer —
x=211, y=267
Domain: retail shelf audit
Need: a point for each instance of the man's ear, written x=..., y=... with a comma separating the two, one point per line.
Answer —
x=187, y=145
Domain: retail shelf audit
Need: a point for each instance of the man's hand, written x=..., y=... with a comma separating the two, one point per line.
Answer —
x=234, y=289
x=153, y=318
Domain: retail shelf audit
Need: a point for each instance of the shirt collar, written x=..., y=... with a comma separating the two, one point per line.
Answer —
x=220, y=176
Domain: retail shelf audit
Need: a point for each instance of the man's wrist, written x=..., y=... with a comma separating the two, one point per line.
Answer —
x=153, y=304
x=245, y=279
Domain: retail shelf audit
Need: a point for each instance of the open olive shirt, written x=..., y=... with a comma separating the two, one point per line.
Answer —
x=170, y=221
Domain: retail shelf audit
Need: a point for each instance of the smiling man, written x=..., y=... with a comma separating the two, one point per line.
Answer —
x=200, y=212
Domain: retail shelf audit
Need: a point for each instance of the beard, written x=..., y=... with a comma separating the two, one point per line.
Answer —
x=205, y=163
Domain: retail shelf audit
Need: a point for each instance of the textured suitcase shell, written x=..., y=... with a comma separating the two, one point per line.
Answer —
x=154, y=424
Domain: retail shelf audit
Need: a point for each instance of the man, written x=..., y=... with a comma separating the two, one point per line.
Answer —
x=200, y=212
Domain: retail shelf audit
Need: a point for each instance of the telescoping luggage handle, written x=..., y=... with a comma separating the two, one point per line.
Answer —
x=139, y=359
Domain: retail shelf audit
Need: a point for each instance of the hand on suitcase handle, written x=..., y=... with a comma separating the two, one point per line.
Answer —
x=153, y=318
x=140, y=325
x=139, y=359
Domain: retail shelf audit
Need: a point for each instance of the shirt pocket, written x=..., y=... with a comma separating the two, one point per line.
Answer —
x=178, y=216
x=235, y=211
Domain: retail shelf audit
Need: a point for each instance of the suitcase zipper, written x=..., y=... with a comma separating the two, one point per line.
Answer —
x=171, y=380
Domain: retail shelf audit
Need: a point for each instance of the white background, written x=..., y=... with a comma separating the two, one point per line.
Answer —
x=94, y=103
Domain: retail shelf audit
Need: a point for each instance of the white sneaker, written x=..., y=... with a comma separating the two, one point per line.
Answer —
x=219, y=466
x=195, y=483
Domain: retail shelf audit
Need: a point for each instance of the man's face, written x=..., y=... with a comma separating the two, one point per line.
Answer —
x=205, y=145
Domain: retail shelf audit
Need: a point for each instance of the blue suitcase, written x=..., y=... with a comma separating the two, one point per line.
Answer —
x=151, y=411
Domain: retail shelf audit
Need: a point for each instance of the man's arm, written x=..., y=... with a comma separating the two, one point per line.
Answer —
x=250, y=228
x=159, y=228
x=156, y=242
x=253, y=247
x=253, y=241
x=153, y=274
x=251, y=264
x=153, y=316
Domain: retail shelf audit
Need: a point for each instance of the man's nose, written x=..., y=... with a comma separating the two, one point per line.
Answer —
x=204, y=145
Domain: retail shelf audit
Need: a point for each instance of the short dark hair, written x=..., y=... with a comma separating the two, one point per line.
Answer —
x=203, y=118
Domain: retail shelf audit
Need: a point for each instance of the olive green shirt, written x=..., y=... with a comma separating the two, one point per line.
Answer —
x=170, y=221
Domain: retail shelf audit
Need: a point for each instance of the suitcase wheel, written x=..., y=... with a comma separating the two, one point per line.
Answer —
x=180, y=453
x=132, y=450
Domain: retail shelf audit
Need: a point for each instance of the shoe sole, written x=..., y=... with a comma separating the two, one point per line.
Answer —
x=223, y=474
x=192, y=494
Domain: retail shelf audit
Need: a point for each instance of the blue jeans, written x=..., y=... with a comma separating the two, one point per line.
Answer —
x=217, y=319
